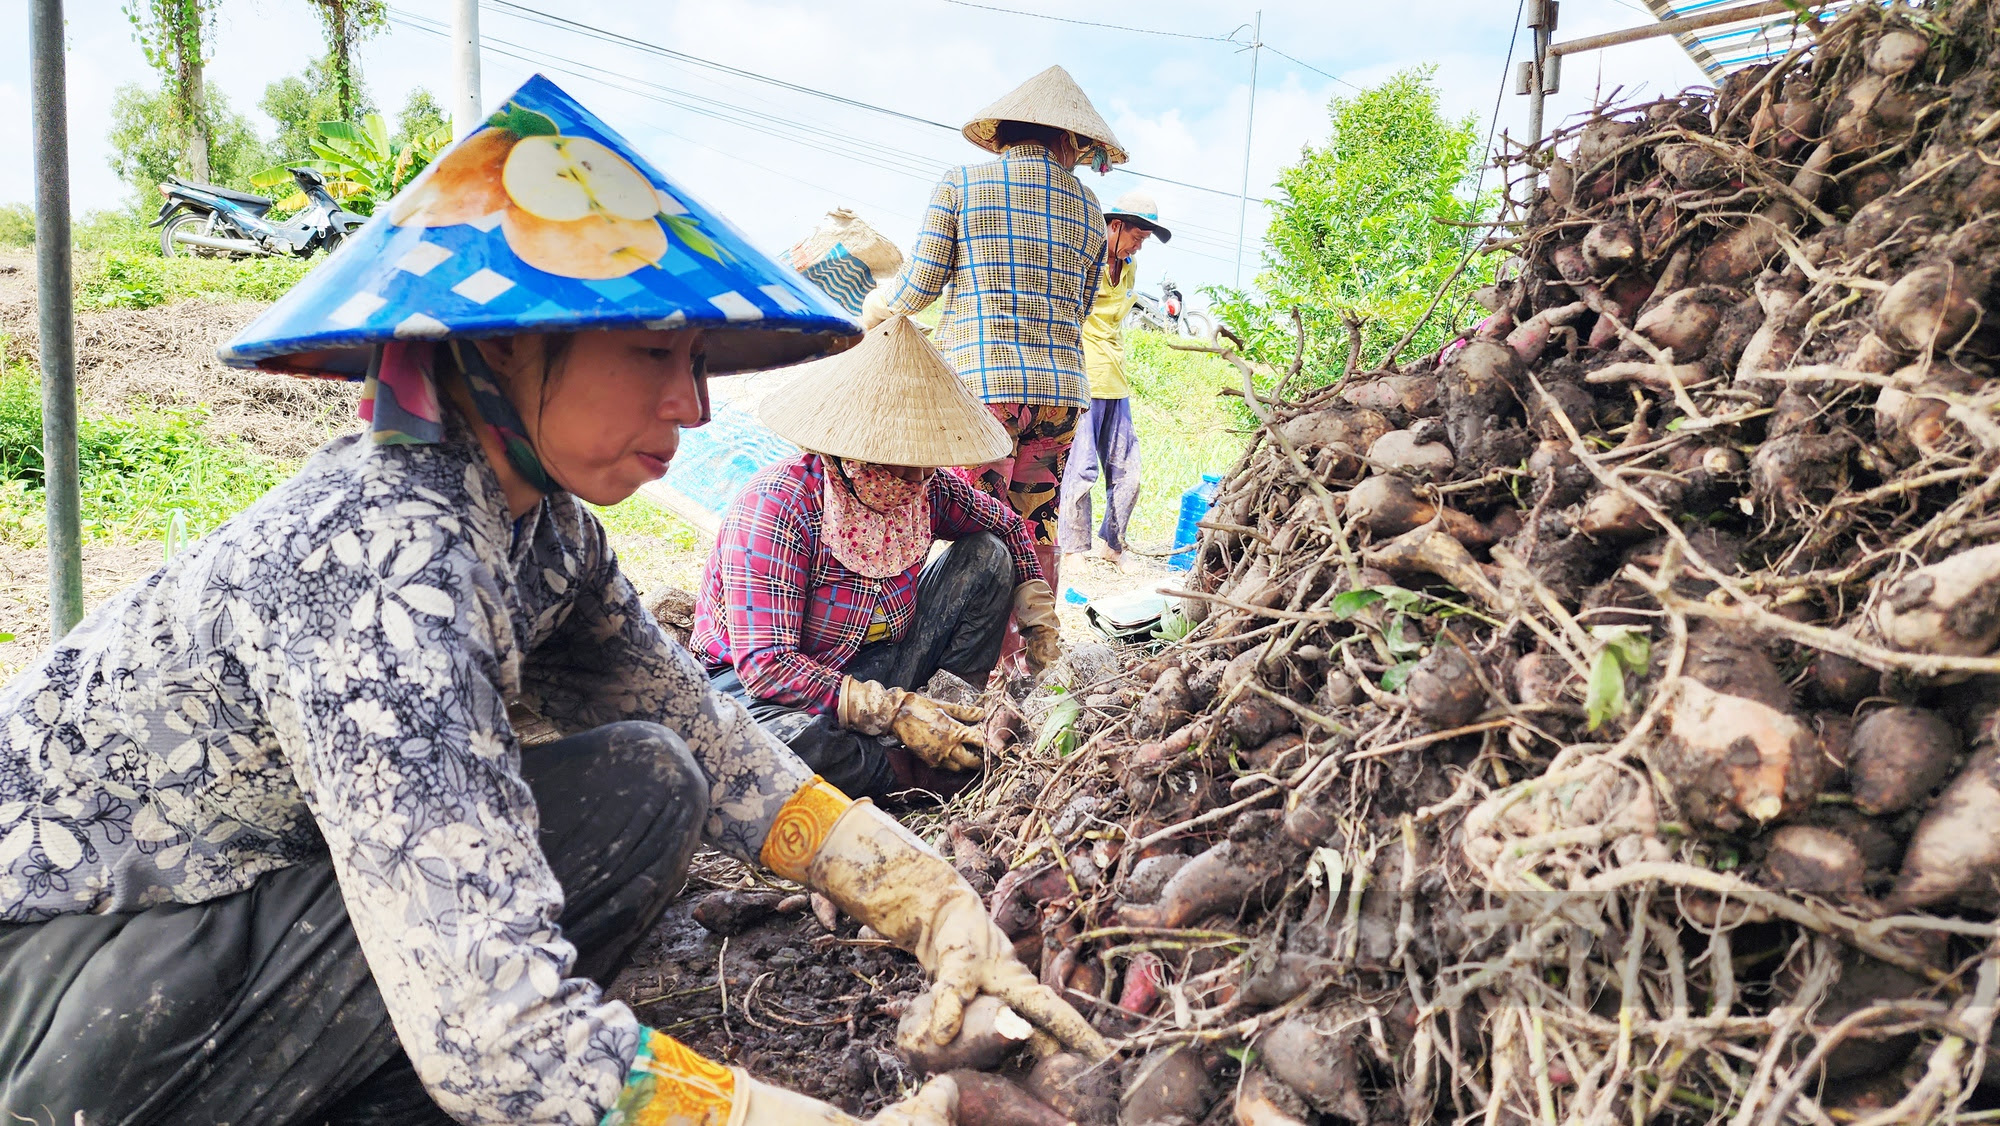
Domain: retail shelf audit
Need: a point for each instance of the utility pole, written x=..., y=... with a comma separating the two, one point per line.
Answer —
x=467, y=110
x=1542, y=75
x=57, y=327
x=1249, y=123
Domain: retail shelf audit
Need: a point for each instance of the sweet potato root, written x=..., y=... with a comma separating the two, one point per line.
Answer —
x=1264, y=1101
x=1805, y=860
x=1443, y=690
x=1897, y=755
x=1929, y=307
x=1085, y=1093
x=1225, y=878
x=990, y=1033
x=1406, y=453
x=1388, y=506
x=735, y=910
x=1686, y=320
x=1955, y=853
x=1169, y=1087
x=1735, y=760
x=989, y=1100
x=1315, y=1057
x=1951, y=607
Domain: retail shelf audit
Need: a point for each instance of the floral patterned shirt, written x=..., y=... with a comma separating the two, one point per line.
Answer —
x=328, y=673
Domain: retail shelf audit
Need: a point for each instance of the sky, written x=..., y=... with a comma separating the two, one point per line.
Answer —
x=774, y=160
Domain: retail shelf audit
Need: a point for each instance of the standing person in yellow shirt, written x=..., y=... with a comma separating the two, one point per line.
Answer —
x=1105, y=435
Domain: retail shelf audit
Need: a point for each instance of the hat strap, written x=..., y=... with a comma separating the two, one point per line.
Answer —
x=400, y=403
x=496, y=412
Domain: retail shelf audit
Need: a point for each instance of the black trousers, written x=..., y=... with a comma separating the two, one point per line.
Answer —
x=259, y=1007
x=964, y=598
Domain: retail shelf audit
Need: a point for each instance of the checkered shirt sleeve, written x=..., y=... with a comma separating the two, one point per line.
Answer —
x=765, y=552
x=958, y=509
x=1014, y=246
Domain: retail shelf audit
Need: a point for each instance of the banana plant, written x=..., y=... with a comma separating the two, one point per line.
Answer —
x=363, y=164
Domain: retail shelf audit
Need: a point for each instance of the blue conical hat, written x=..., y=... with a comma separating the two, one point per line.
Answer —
x=543, y=220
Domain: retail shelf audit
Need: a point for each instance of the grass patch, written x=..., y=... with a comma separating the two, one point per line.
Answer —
x=138, y=472
x=121, y=279
x=1185, y=430
x=119, y=266
x=655, y=548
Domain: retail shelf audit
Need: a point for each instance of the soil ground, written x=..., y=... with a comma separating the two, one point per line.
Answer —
x=804, y=1008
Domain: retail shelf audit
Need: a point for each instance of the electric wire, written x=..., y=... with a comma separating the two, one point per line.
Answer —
x=840, y=143
x=1091, y=23
x=1305, y=64
x=605, y=35
x=630, y=84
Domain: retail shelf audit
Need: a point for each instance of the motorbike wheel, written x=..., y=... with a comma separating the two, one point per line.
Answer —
x=192, y=223
x=1201, y=326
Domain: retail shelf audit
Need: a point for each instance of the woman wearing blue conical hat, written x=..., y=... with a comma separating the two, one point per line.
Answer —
x=269, y=848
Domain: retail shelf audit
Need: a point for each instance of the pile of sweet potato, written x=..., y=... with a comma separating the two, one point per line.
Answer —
x=1598, y=720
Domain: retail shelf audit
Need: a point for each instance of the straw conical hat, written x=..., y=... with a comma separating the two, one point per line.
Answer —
x=1050, y=98
x=892, y=399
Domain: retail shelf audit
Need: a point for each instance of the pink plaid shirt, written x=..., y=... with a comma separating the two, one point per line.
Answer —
x=776, y=604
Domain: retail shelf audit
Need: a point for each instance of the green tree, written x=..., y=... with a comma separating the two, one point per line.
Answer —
x=1355, y=228
x=298, y=103
x=17, y=225
x=172, y=34
x=422, y=116
x=147, y=144
x=362, y=163
x=346, y=23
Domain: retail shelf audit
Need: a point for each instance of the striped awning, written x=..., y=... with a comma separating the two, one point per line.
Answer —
x=1731, y=46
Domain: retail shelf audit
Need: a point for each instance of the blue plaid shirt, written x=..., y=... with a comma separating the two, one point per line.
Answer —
x=1014, y=247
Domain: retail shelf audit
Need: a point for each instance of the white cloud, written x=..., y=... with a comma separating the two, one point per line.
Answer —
x=1177, y=103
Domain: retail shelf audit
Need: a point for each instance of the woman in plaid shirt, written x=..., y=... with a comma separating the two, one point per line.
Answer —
x=1014, y=246
x=817, y=609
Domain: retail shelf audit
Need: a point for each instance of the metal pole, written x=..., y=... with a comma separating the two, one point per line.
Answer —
x=1249, y=123
x=1684, y=24
x=1543, y=29
x=467, y=111
x=58, y=330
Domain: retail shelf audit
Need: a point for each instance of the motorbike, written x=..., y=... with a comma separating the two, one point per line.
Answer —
x=212, y=221
x=1169, y=313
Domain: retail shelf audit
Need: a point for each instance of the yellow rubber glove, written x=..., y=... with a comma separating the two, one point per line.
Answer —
x=670, y=1082
x=876, y=871
x=1041, y=632
x=938, y=732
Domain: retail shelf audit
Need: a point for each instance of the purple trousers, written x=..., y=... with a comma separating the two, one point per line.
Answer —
x=1104, y=436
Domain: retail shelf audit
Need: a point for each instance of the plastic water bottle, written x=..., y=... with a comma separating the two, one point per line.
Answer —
x=1194, y=508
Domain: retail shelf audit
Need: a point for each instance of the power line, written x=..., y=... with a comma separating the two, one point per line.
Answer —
x=602, y=34
x=1308, y=66
x=1091, y=23
x=697, y=60
x=925, y=170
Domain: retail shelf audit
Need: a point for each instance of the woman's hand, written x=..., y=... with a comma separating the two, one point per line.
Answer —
x=939, y=733
x=876, y=871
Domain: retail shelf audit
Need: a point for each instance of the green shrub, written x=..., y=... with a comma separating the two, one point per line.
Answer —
x=17, y=225
x=136, y=472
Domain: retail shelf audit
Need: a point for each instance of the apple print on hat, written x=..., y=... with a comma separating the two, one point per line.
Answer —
x=543, y=220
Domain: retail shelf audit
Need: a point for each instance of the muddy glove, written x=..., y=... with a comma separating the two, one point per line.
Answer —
x=1035, y=615
x=872, y=867
x=669, y=1082
x=936, y=731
